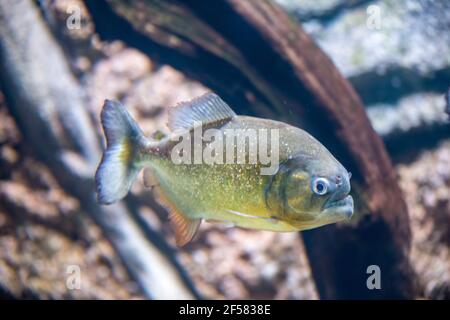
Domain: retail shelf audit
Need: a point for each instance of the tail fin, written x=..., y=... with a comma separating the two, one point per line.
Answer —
x=118, y=167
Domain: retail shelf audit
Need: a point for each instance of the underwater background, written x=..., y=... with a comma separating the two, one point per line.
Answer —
x=396, y=54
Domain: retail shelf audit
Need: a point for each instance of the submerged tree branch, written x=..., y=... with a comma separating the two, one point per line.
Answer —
x=47, y=104
x=398, y=82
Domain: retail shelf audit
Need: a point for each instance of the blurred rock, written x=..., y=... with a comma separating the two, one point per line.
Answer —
x=114, y=76
x=426, y=186
x=42, y=233
x=306, y=10
x=404, y=36
x=411, y=112
x=395, y=53
x=248, y=264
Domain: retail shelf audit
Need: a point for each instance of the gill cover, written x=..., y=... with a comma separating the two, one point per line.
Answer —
x=287, y=189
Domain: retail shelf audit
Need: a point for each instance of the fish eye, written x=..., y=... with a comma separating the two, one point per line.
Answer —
x=320, y=186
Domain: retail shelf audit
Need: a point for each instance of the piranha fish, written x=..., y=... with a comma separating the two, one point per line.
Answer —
x=309, y=188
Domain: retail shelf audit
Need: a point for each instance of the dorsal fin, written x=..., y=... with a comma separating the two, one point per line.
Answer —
x=208, y=109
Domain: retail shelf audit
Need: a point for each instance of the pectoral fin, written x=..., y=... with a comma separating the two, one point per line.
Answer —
x=150, y=180
x=225, y=224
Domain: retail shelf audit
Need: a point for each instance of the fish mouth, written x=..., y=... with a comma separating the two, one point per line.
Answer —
x=343, y=207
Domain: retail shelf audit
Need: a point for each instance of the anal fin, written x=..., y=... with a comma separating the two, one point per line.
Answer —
x=185, y=228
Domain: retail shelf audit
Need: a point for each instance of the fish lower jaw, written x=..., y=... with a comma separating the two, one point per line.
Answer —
x=343, y=207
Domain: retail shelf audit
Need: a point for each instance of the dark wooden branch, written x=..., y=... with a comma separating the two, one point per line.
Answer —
x=328, y=15
x=379, y=88
x=263, y=63
x=46, y=102
x=447, y=102
x=405, y=147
